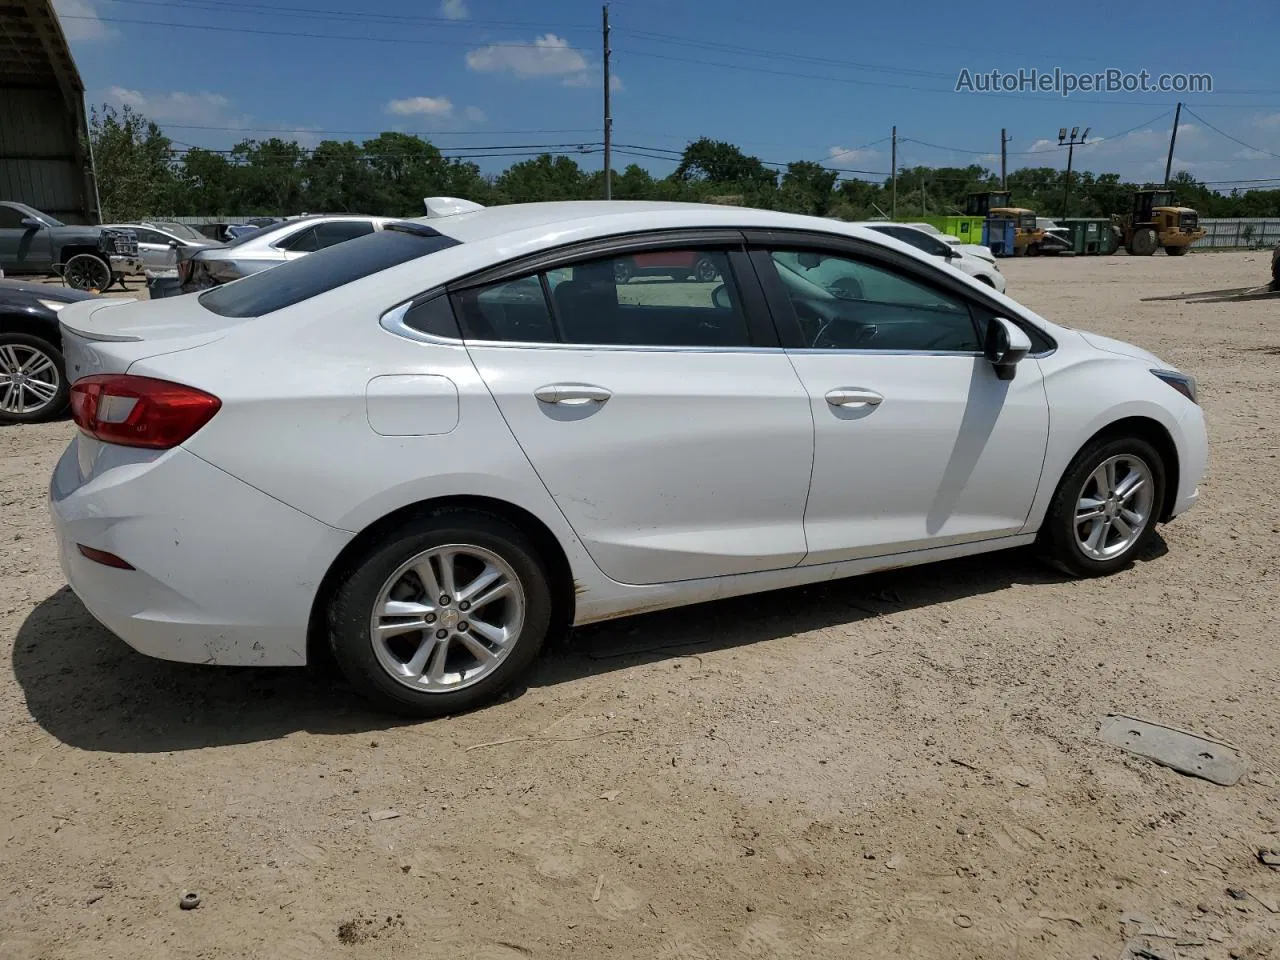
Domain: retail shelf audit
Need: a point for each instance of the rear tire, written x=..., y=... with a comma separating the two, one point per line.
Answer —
x=1105, y=509
x=33, y=379
x=413, y=670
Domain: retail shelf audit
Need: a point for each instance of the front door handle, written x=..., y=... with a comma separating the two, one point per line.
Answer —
x=572, y=394
x=853, y=397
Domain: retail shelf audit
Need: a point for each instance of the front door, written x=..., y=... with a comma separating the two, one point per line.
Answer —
x=917, y=443
x=23, y=248
x=675, y=438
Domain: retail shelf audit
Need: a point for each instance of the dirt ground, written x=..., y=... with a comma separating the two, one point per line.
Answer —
x=903, y=765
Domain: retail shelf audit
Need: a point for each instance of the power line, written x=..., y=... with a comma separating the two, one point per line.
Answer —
x=1223, y=133
x=305, y=36
x=320, y=13
x=422, y=134
x=783, y=55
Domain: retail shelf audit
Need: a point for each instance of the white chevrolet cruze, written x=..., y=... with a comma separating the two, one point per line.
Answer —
x=426, y=449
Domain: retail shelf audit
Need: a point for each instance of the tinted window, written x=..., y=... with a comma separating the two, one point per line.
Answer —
x=307, y=277
x=11, y=218
x=150, y=236
x=846, y=304
x=339, y=231
x=651, y=299
x=434, y=316
x=302, y=242
x=514, y=310
x=915, y=238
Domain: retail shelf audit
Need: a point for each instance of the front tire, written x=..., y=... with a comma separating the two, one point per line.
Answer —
x=442, y=614
x=87, y=271
x=1105, y=509
x=33, y=379
x=1176, y=251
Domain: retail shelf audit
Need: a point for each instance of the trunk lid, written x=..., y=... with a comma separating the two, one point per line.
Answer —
x=110, y=335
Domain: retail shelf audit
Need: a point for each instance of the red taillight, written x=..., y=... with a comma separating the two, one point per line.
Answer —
x=140, y=411
x=104, y=558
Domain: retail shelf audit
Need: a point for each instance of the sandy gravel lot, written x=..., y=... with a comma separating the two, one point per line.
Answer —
x=902, y=765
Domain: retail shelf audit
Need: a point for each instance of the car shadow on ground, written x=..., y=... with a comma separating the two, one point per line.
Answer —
x=89, y=690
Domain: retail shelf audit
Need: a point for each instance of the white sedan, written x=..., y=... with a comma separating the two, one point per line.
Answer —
x=971, y=258
x=425, y=450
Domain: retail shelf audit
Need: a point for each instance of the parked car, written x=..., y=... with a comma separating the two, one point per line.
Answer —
x=237, y=230
x=158, y=243
x=380, y=451
x=269, y=247
x=1056, y=239
x=33, y=379
x=678, y=264
x=88, y=258
x=975, y=260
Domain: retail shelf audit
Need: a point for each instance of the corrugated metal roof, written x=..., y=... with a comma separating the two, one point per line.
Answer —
x=34, y=50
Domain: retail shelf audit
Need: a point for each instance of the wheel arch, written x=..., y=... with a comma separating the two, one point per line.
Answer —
x=31, y=326
x=564, y=590
x=1154, y=433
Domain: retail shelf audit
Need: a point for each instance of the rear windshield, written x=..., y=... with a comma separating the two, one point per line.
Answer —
x=319, y=272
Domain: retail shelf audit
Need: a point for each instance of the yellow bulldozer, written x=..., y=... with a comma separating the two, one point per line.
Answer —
x=1157, y=222
x=994, y=205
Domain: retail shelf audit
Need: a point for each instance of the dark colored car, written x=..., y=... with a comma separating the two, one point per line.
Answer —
x=87, y=257
x=33, y=378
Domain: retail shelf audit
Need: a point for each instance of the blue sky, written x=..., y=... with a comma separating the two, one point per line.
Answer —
x=802, y=80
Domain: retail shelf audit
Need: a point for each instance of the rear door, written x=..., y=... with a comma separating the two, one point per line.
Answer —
x=661, y=414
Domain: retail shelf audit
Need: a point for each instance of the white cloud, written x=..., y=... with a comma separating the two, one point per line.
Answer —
x=474, y=114
x=454, y=9
x=86, y=26
x=1270, y=121
x=427, y=106
x=847, y=155
x=547, y=56
x=1251, y=154
x=176, y=105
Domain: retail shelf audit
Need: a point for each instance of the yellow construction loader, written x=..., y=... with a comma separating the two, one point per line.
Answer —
x=1156, y=222
x=994, y=205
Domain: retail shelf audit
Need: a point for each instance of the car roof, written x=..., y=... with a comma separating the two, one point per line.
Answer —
x=264, y=236
x=590, y=218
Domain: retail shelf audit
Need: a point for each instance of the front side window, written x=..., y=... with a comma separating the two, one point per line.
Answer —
x=150, y=236
x=845, y=304
x=11, y=219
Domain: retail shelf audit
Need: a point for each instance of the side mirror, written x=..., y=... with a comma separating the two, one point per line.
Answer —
x=174, y=244
x=1006, y=345
x=32, y=222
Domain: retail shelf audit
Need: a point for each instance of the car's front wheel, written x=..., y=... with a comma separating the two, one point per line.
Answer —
x=33, y=382
x=87, y=271
x=1105, y=509
x=442, y=614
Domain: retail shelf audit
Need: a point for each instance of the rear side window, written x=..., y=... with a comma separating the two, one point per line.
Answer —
x=310, y=276
x=340, y=231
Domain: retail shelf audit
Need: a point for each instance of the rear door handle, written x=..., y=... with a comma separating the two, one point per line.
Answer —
x=853, y=397
x=572, y=394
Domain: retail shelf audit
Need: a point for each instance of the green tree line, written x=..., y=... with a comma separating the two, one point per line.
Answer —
x=141, y=174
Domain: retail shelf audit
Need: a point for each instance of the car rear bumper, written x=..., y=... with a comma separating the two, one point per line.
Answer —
x=223, y=574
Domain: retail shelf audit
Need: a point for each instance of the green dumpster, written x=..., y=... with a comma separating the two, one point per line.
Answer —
x=967, y=229
x=1089, y=235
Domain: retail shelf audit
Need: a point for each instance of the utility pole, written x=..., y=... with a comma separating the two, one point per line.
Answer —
x=893, y=176
x=1003, y=157
x=1173, y=137
x=608, y=115
x=1070, y=142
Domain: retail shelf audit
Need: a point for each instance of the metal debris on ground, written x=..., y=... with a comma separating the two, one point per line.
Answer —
x=376, y=815
x=1179, y=750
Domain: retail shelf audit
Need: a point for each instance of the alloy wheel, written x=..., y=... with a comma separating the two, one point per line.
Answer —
x=84, y=271
x=447, y=617
x=1114, y=507
x=29, y=379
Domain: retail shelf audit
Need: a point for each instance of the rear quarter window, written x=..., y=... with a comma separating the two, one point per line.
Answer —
x=325, y=270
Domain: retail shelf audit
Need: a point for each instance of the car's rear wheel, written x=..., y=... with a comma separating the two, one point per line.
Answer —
x=87, y=271
x=1105, y=509
x=33, y=382
x=442, y=615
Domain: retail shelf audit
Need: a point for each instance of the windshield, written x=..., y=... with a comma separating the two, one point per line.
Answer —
x=320, y=272
x=181, y=230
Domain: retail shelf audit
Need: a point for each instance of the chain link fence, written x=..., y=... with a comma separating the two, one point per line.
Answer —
x=1248, y=232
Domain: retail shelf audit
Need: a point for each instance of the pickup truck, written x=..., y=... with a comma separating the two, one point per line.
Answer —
x=87, y=257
